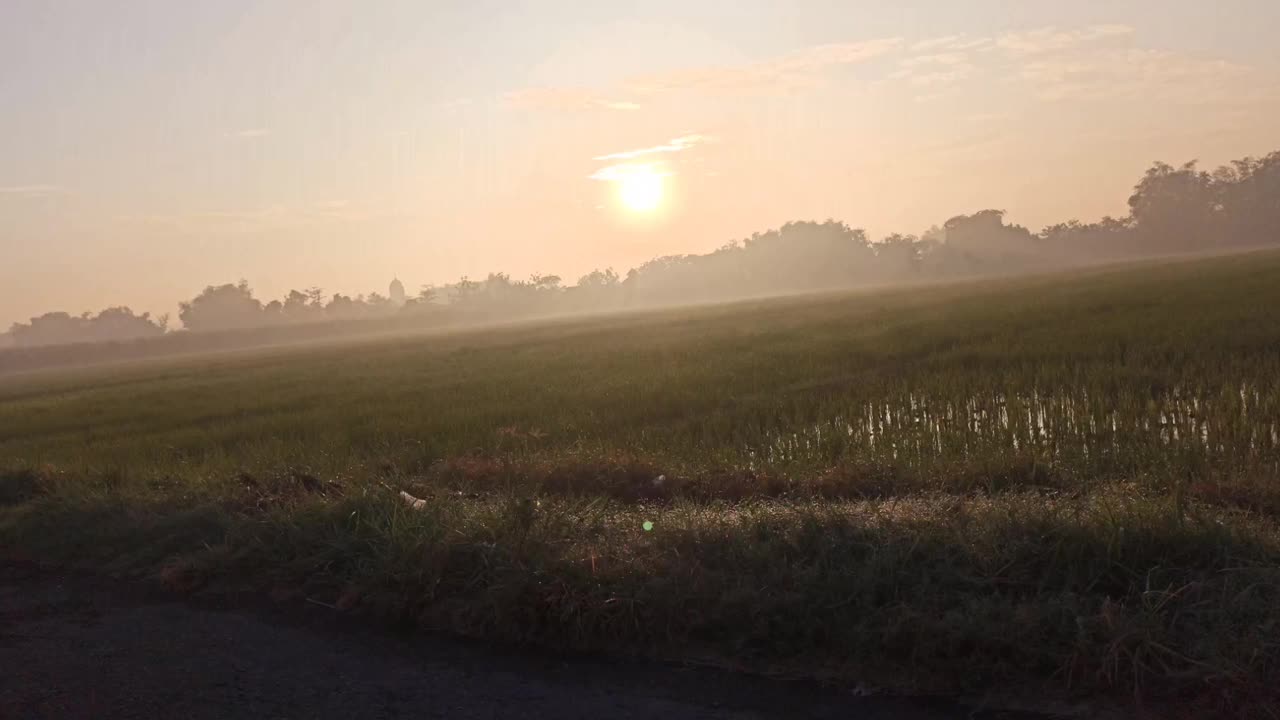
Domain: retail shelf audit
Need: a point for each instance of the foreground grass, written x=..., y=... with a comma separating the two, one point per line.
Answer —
x=1061, y=485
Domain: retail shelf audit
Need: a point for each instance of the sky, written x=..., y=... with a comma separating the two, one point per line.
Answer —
x=149, y=148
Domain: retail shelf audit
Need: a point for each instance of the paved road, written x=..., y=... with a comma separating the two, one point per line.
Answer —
x=74, y=646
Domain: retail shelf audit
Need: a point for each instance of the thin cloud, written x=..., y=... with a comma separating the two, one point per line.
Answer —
x=249, y=133
x=620, y=171
x=942, y=77
x=1135, y=73
x=935, y=96
x=674, y=145
x=976, y=44
x=934, y=70
x=1050, y=39
x=947, y=58
x=253, y=220
x=1097, y=62
x=795, y=69
x=453, y=104
x=566, y=99
x=931, y=43
x=31, y=191
x=954, y=42
x=800, y=68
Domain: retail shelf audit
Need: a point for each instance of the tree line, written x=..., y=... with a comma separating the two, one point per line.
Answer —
x=1172, y=210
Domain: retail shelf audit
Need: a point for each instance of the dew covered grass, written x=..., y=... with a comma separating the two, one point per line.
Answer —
x=1063, y=484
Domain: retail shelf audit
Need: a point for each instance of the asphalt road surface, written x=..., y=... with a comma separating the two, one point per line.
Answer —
x=79, y=646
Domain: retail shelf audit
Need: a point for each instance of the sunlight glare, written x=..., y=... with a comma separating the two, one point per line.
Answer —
x=641, y=189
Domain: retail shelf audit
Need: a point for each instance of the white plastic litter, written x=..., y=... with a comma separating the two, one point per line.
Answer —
x=414, y=502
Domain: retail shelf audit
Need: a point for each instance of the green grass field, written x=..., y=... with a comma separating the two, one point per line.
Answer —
x=1062, y=484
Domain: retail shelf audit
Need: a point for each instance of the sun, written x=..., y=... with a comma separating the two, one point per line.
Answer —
x=641, y=189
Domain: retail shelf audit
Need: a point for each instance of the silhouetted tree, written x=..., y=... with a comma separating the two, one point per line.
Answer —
x=1074, y=241
x=598, y=279
x=984, y=233
x=58, y=328
x=1174, y=208
x=222, y=307
x=545, y=282
x=342, y=307
x=900, y=255
x=1248, y=200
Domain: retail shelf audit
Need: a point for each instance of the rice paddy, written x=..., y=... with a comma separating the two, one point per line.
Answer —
x=1060, y=485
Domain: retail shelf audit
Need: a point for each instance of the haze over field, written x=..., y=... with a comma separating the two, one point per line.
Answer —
x=153, y=148
x=916, y=348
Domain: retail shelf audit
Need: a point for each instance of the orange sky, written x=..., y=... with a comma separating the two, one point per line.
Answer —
x=151, y=148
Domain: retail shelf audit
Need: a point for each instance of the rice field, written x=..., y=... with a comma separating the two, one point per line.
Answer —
x=1061, y=485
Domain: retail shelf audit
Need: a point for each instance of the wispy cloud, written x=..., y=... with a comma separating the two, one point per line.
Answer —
x=674, y=145
x=566, y=99
x=794, y=69
x=453, y=104
x=249, y=133
x=249, y=220
x=941, y=77
x=953, y=42
x=946, y=58
x=624, y=170
x=1051, y=39
x=931, y=43
x=1133, y=73
x=800, y=68
x=31, y=191
x=620, y=170
x=1097, y=62
x=934, y=70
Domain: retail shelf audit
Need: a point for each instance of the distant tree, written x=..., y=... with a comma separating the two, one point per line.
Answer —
x=545, y=282
x=120, y=323
x=221, y=307
x=273, y=313
x=54, y=328
x=802, y=255
x=598, y=289
x=1174, y=208
x=599, y=279
x=464, y=290
x=341, y=307
x=296, y=306
x=1171, y=209
x=982, y=242
x=899, y=254
x=1075, y=241
x=58, y=328
x=1248, y=200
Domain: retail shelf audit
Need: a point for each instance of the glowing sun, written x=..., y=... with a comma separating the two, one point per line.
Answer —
x=640, y=189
